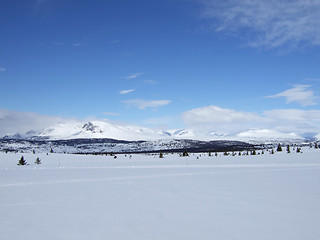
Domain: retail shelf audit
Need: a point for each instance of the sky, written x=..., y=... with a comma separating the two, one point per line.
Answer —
x=208, y=65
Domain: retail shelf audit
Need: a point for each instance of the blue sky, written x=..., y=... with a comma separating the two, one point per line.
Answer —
x=162, y=63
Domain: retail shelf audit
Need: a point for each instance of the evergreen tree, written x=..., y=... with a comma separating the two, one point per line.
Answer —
x=279, y=149
x=185, y=154
x=22, y=161
x=288, y=149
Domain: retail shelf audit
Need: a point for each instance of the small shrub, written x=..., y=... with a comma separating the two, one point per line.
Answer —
x=38, y=161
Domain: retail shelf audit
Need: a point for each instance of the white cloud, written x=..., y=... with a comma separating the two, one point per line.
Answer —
x=228, y=121
x=12, y=122
x=270, y=24
x=135, y=75
x=298, y=94
x=2, y=69
x=144, y=104
x=219, y=119
x=294, y=120
x=217, y=115
x=126, y=91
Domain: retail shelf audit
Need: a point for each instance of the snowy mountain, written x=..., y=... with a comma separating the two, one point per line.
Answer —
x=101, y=129
x=93, y=129
x=110, y=130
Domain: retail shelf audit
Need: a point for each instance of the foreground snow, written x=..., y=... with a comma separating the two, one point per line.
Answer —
x=145, y=197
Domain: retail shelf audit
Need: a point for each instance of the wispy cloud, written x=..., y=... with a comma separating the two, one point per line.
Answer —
x=126, y=91
x=114, y=41
x=59, y=44
x=77, y=44
x=310, y=80
x=2, y=69
x=269, y=24
x=144, y=104
x=38, y=3
x=111, y=114
x=298, y=94
x=135, y=75
x=151, y=82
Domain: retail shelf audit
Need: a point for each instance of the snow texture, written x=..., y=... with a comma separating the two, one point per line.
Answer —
x=265, y=197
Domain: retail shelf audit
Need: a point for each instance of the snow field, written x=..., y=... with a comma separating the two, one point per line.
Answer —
x=145, y=197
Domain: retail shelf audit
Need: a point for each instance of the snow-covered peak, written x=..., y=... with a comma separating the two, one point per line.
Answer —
x=97, y=129
x=90, y=127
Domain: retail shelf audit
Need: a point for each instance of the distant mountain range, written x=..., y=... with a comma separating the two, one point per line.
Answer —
x=104, y=137
x=99, y=129
x=102, y=129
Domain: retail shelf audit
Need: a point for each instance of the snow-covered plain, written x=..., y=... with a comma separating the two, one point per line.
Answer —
x=144, y=197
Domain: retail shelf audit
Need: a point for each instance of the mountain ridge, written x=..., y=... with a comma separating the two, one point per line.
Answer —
x=103, y=129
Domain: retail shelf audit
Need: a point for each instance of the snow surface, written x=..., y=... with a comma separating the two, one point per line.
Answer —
x=144, y=197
